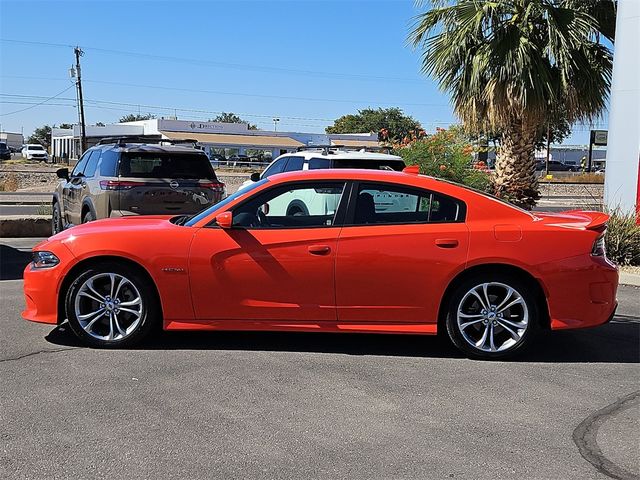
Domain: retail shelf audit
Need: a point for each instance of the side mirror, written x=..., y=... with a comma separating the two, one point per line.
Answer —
x=63, y=173
x=225, y=220
x=255, y=176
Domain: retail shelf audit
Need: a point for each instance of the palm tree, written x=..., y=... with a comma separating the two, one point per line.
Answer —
x=510, y=64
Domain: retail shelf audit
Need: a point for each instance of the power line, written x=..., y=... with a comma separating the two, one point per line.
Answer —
x=236, y=66
x=37, y=104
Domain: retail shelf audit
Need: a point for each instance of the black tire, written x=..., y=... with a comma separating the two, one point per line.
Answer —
x=528, y=308
x=88, y=217
x=56, y=218
x=149, y=309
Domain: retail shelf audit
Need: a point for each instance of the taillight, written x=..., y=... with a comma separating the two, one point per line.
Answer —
x=118, y=185
x=599, y=249
x=217, y=187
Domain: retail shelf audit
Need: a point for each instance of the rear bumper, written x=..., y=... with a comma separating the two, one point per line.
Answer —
x=582, y=294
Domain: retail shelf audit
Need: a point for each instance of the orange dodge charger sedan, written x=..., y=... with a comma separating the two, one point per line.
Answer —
x=332, y=251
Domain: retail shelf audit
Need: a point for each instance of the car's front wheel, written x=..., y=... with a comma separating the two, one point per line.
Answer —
x=492, y=316
x=111, y=305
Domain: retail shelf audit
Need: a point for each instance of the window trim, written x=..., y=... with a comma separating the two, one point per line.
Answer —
x=341, y=211
x=351, y=209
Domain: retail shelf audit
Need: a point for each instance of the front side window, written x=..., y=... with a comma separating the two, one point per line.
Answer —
x=385, y=204
x=276, y=167
x=82, y=163
x=292, y=206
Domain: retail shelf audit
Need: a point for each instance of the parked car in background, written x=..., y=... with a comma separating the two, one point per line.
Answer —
x=487, y=274
x=216, y=158
x=238, y=158
x=556, y=166
x=5, y=152
x=117, y=178
x=35, y=151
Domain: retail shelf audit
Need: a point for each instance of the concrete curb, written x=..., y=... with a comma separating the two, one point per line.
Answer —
x=15, y=226
x=632, y=279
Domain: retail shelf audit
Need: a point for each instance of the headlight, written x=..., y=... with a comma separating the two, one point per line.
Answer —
x=44, y=260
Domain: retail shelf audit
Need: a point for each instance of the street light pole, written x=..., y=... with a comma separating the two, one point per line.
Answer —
x=83, y=133
x=275, y=124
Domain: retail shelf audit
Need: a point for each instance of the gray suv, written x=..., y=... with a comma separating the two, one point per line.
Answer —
x=119, y=178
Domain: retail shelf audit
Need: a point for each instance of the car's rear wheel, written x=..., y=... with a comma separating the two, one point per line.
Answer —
x=492, y=316
x=111, y=305
x=56, y=219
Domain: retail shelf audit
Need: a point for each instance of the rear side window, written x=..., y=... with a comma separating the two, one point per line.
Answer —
x=92, y=163
x=109, y=163
x=166, y=165
x=319, y=163
x=388, y=204
x=397, y=165
x=294, y=164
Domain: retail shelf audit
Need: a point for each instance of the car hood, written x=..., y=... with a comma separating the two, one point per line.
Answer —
x=119, y=225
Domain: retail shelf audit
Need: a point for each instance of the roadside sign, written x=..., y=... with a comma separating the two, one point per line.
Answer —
x=599, y=137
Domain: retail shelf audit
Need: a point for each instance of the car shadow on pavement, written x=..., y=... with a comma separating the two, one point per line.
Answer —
x=616, y=342
x=12, y=262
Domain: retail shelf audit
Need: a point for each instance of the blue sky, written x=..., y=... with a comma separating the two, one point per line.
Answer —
x=306, y=62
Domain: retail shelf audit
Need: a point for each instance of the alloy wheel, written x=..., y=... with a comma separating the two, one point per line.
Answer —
x=108, y=306
x=493, y=317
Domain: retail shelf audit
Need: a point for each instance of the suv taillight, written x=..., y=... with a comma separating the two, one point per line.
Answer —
x=217, y=187
x=599, y=249
x=118, y=185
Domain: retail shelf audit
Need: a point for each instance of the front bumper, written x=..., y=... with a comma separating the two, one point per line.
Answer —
x=42, y=288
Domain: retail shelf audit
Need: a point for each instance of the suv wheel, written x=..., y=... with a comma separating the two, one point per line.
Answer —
x=56, y=219
x=492, y=316
x=88, y=217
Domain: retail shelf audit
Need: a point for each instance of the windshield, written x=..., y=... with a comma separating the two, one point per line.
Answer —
x=35, y=147
x=195, y=219
x=166, y=165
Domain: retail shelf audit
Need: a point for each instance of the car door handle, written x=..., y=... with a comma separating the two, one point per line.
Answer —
x=319, y=249
x=447, y=242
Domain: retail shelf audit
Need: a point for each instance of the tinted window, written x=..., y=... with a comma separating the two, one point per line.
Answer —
x=384, y=204
x=109, y=163
x=368, y=164
x=319, y=163
x=277, y=167
x=166, y=165
x=292, y=206
x=82, y=163
x=92, y=163
x=294, y=164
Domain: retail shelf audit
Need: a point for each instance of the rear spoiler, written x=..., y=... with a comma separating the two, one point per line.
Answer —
x=598, y=220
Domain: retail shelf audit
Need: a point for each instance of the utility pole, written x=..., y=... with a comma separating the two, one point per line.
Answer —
x=546, y=163
x=83, y=133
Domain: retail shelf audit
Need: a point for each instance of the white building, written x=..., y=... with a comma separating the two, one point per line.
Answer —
x=216, y=138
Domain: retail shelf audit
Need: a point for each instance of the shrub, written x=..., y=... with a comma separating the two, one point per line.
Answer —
x=10, y=183
x=446, y=154
x=622, y=239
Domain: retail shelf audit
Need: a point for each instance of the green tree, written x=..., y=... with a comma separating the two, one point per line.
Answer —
x=65, y=125
x=100, y=124
x=228, y=117
x=510, y=65
x=391, y=124
x=41, y=135
x=134, y=117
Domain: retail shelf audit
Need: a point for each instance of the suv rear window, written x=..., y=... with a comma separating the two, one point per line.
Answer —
x=396, y=165
x=166, y=165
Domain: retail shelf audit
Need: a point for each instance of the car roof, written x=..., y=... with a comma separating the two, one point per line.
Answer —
x=144, y=147
x=339, y=154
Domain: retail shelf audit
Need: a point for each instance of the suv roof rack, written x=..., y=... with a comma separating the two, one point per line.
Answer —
x=123, y=140
x=327, y=149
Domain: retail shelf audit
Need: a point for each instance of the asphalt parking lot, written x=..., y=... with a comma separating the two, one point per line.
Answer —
x=276, y=405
